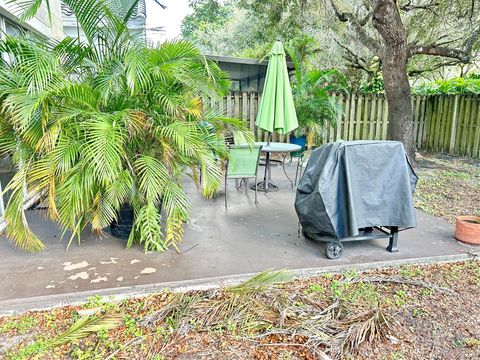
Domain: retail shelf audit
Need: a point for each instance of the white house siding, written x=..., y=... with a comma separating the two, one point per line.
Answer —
x=136, y=25
x=40, y=24
x=11, y=25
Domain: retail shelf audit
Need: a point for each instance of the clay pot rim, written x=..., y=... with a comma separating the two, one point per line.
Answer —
x=468, y=217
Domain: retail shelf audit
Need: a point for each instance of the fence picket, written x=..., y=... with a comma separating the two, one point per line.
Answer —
x=471, y=130
x=251, y=111
x=346, y=118
x=378, y=120
x=416, y=113
x=338, y=129
x=476, y=137
x=371, y=120
x=384, y=120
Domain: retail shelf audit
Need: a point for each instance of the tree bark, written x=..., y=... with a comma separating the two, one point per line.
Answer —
x=395, y=53
x=387, y=21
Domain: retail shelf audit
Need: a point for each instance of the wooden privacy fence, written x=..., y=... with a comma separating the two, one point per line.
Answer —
x=441, y=123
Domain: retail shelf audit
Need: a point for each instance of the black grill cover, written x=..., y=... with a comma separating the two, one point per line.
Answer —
x=349, y=185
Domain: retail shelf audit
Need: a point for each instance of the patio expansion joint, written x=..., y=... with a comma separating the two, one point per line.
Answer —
x=48, y=302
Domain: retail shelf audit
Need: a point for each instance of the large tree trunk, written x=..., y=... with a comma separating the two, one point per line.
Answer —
x=387, y=21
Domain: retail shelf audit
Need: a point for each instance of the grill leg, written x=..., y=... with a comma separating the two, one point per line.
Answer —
x=393, y=244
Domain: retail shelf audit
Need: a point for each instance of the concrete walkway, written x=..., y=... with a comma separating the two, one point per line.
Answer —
x=218, y=242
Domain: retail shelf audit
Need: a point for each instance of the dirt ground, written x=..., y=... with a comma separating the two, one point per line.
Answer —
x=411, y=312
x=449, y=186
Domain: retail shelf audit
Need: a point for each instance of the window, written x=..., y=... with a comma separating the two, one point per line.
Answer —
x=12, y=29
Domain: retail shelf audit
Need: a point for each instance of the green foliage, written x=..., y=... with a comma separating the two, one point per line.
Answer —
x=96, y=125
x=409, y=271
x=400, y=298
x=22, y=325
x=316, y=288
x=460, y=85
x=30, y=351
x=375, y=86
x=207, y=14
x=356, y=294
x=312, y=93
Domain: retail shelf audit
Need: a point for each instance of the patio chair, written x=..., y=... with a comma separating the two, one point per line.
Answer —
x=242, y=164
x=302, y=164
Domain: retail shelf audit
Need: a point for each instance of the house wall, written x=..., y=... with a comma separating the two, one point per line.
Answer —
x=40, y=24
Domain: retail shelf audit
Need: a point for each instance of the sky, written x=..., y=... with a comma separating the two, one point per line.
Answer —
x=170, y=18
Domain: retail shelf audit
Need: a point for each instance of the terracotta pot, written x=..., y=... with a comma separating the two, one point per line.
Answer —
x=467, y=229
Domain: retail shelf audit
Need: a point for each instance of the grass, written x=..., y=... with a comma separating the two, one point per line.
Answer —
x=448, y=186
x=21, y=326
x=349, y=315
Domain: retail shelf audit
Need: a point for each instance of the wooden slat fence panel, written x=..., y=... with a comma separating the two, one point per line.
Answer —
x=441, y=123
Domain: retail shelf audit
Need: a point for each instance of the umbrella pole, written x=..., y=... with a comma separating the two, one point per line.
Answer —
x=266, y=185
x=267, y=163
x=266, y=180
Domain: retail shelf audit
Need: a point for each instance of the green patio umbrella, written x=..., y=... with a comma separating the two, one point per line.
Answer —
x=276, y=112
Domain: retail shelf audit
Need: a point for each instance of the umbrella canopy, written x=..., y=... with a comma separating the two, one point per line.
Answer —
x=277, y=110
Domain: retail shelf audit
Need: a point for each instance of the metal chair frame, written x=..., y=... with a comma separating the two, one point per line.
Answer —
x=301, y=161
x=242, y=177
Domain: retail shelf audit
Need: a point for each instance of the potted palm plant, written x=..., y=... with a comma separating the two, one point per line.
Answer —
x=98, y=125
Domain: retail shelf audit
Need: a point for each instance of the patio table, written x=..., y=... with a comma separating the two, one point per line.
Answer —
x=274, y=147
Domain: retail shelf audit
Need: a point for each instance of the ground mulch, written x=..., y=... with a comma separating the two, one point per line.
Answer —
x=433, y=312
x=449, y=186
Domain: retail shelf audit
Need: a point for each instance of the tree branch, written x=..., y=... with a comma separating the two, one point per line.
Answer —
x=411, y=7
x=463, y=55
x=440, y=65
x=358, y=26
x=436, y=50
x=355, y=61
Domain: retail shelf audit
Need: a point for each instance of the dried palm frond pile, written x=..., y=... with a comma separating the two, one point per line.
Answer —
x=265, y=306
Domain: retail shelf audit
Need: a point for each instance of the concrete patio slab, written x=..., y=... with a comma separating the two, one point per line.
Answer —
x=219, y=243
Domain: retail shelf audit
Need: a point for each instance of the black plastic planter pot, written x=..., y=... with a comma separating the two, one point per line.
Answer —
x=123, y=227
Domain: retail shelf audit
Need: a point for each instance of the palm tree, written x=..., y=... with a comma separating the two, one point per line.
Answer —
x=312, y=93
x=96, y=125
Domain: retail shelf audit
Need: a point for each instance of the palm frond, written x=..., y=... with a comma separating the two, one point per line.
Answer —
x=153, y=177
x=29, y=8
x=262, y=281
x=17, y=227
x=147, y=229
x=91, y=15
x=104, y=145
x=85, y=326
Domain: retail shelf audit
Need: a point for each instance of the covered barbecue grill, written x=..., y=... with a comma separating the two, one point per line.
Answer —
x=356, y=190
